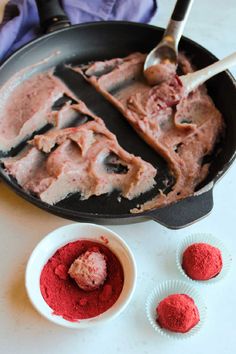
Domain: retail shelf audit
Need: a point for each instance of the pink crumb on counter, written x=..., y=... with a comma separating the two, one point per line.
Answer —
x=104, y=239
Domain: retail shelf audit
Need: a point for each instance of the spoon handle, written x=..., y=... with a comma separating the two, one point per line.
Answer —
x=193, y=80
x=177, y=22
x=181, y=10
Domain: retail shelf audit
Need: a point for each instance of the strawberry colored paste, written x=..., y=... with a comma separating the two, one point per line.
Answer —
x=62, y=293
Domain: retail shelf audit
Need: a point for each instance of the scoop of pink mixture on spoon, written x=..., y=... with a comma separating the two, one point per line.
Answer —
x=171, y=91
x=161, y=63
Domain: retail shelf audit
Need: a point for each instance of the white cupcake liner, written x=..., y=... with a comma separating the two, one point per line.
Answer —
x=206, y=238
x=174, y=287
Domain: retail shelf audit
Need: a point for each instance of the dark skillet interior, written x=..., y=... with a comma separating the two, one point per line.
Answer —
x=99, y=41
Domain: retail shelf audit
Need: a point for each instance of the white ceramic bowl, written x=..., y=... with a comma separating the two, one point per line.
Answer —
x=60, y=237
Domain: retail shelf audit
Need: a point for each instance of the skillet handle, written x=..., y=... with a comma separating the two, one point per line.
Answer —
x=52, y=16
x=185, y=212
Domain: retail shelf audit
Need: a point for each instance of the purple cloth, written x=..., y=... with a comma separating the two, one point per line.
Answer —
x=21, y=22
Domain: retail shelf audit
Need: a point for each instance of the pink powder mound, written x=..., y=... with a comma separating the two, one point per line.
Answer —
x=202, y=261
x=177, y=313
x=89, y=270
x=65, y=297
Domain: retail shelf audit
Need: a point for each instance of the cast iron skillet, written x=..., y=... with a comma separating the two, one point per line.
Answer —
x=97, y=41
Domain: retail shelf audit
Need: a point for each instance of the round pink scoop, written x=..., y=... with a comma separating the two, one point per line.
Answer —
x=89, y=270
x=159, y=73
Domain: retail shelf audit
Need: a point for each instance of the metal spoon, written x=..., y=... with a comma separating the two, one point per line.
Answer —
x=162, y=60
x=192, y=80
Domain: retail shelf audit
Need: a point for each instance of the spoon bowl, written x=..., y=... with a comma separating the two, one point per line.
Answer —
x=164, y=53
x=161, y=62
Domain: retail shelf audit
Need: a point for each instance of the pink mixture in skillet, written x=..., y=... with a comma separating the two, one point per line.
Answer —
x=181, y=129
x=62, y=161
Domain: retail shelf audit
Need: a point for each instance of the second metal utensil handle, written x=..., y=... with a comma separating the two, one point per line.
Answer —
x=192, y=80
x=177, y=22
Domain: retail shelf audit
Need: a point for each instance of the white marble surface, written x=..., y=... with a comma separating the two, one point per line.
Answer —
x=22, y=331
